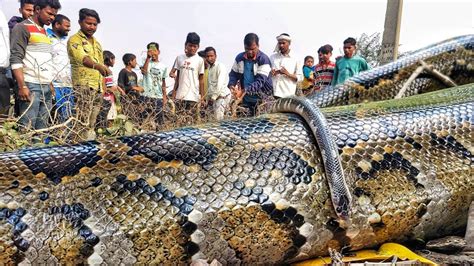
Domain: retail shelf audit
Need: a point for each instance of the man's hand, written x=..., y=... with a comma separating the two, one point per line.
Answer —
x=139, y=89
x=283, y=71
x=203, y=102
x=120, y=90
x=24, y=93
x=148, y=54
x=237, y=91
x=53, y=91
x=165, y=101
x=103, y=70
x=275, y=72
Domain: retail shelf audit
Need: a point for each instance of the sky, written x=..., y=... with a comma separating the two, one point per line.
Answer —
x=128, y=26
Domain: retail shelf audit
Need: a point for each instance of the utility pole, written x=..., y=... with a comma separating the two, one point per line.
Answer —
x=391, y=33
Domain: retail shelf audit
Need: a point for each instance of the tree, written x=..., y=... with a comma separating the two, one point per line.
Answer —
x=370, y=47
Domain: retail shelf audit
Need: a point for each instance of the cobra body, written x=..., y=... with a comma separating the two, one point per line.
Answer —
x=453, y=57
x=245, y=191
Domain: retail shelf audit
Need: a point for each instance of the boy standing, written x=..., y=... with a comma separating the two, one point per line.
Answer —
x=154, y=84
x=349, y=65
x=127, y=79
x=218, y=91
x=324, y=70
x=189, y=85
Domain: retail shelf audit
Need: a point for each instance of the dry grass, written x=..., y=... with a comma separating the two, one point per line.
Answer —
x=134, y=116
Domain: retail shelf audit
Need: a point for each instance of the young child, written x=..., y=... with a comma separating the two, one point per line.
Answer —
x=110, y=107
x=308, y=73
x=127, y=79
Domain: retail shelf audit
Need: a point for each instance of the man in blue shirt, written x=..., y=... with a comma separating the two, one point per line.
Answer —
x=249, y=78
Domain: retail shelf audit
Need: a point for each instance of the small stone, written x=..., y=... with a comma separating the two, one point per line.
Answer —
x=447, y=244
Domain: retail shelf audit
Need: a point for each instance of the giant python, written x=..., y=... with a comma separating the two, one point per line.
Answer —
x=256, y=190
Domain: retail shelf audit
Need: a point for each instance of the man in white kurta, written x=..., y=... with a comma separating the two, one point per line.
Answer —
x=286, y=68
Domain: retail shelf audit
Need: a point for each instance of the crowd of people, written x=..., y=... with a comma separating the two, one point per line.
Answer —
x=43, y=68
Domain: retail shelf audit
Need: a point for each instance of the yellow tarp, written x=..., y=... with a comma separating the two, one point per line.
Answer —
x=386, y=251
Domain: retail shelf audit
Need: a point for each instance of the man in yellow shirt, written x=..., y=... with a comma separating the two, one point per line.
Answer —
x=87, y=63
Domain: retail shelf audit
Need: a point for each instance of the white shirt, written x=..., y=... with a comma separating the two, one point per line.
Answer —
x=217, y=81
x=60, y=60
x=153, y=79
x=283, y=86
x=189, y=70
x=4, y=41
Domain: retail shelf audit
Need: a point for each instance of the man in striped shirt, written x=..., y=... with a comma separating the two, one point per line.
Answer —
x=324, y=70
x=31, y=62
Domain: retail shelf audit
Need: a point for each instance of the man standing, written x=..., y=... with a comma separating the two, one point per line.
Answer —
x=218, y=92
x=27, y=8
x=4, y=63
x=349, y=65
x=62, y=80
x=154, y=84
x=286, y=69
x=324, y=70
x=87, y=64
x=249, y=78
x=31, y=62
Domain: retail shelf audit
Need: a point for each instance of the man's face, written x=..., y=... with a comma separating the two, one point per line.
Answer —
x=251, y=50
x=309, y=62
x=349, y=50
x=284, y=46
x=191, y=49
x=211, y=57
x=88, y=26
x=62, y=28
x=46, y=15
x=324, y=58
x=27, y=10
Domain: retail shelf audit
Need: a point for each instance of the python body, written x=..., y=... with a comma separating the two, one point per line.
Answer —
x=453, y=57
x=246, y=191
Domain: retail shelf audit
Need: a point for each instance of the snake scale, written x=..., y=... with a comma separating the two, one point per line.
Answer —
x=257, y=190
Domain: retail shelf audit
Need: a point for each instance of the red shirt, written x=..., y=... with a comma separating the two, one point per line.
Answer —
x=323, y=74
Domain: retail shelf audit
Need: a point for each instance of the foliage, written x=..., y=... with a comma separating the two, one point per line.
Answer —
x=370, y=48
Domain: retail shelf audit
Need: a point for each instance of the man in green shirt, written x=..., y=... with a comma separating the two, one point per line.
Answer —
x=349, y=65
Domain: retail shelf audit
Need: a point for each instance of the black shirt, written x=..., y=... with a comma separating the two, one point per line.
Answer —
x=127, y=80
